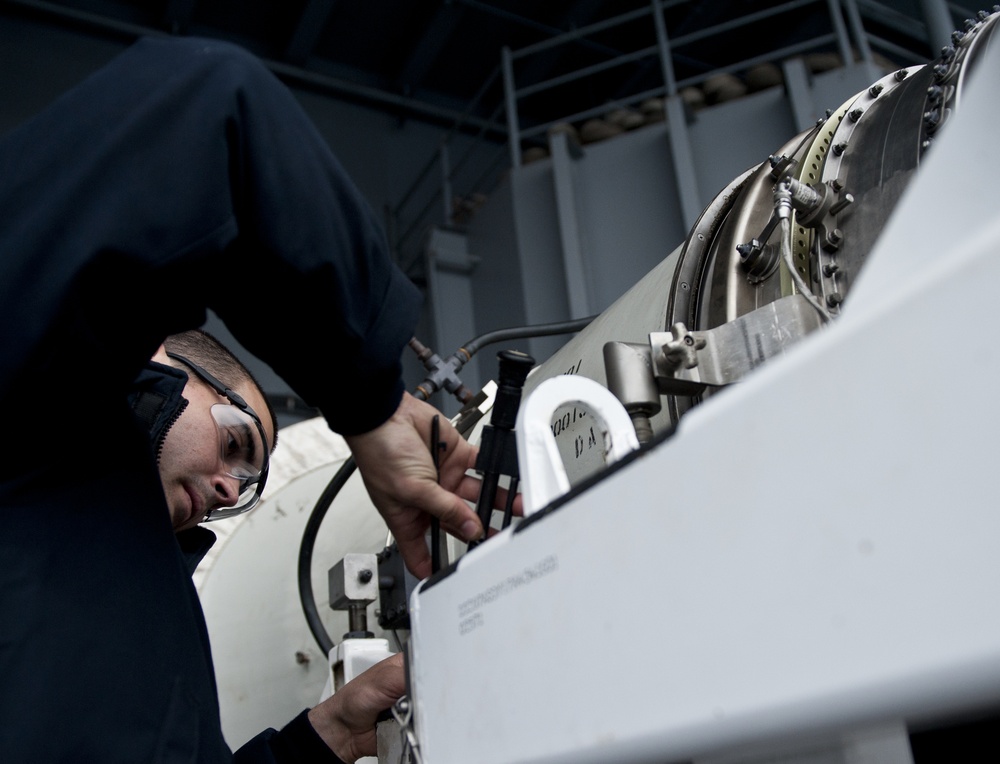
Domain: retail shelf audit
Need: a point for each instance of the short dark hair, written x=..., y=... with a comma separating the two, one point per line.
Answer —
x=208, y=352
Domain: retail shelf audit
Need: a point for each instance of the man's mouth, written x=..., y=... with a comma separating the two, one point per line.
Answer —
x=197, y=507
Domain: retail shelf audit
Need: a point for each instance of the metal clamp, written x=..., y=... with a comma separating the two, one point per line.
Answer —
x=543, y=473
x=402, y=712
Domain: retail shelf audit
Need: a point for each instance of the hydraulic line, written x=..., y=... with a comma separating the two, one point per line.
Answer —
x=783, y=206
x=521, y=332
x=444, y=372
x=306, y=595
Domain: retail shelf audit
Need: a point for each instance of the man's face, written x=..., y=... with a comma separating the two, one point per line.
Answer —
x=191, y=470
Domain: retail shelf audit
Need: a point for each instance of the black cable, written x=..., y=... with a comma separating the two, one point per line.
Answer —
x=521, y=332
x=306, y=552
x=436, y=445
x=508, y=510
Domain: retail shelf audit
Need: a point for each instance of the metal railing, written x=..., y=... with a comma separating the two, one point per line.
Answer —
x=414, y=213
x=441, y=190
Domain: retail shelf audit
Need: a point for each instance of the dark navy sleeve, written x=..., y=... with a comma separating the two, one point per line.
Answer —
x=297, y=741
x=181, y=177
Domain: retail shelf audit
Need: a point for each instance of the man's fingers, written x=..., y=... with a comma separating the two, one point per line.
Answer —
x=469, y=489
x=455, y=515
x=416, y=555
x=391, y=676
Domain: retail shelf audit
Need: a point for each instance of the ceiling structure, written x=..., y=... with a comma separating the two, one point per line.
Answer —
x=440, y=59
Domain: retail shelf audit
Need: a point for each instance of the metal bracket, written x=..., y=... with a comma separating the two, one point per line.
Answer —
x=685, y=362
x=402, y=712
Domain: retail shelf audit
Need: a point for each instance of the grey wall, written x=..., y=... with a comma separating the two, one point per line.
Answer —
x=625, y=206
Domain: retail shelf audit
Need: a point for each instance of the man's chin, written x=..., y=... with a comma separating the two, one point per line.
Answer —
x=181, y=510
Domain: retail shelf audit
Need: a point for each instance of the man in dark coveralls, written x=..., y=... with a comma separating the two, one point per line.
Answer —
x=179, y=178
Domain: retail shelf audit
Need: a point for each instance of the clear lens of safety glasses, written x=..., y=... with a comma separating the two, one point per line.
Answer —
x=243, y=454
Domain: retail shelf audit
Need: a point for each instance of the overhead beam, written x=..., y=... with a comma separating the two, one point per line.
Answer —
x=539, y=68
x=429, y=44
x=292, y=75
x=307, y=32
x=178, y=14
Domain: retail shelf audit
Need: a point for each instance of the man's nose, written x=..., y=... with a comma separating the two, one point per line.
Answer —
x=227, y=489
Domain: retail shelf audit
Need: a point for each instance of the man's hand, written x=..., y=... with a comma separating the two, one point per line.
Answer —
x=396, y=464
x=346, y=720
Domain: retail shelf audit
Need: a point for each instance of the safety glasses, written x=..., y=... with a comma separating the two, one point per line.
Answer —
x=243, y=455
